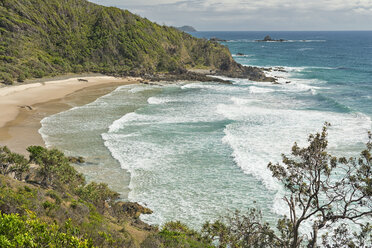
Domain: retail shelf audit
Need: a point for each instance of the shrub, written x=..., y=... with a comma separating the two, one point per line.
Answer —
x=21, y=78
x=12, y=163
x=28, y=231
x=54, y=169
x=6, y=79
x=97, y=194
x=176, y=234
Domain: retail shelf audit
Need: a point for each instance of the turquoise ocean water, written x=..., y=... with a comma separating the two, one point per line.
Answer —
x=195, y=151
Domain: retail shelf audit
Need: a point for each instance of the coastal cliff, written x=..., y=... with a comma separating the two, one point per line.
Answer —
x=49, y=37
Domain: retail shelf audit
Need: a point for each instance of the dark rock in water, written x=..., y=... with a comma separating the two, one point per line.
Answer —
x=184, y=76
x=267, y=69
x=215, y=39
x=227, y=68
x=247, y=72
x=82, y=80
x=268, y=38
x=280, y=69
x=240, y=54
x=76, y=160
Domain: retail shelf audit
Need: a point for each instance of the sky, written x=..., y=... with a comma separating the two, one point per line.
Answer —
x=253, y=15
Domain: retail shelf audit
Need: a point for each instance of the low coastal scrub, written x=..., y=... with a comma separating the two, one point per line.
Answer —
x=29, y=231
x=44, y=199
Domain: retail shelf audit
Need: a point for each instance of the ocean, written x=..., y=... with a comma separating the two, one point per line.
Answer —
x=194, y=151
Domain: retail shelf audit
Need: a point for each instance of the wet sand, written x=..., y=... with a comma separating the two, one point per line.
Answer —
x=23, y=107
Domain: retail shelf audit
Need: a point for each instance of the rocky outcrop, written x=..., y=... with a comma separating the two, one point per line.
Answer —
x=215, y=39
x=268, y=38
x=248, y=72
x=235, y=71
x=131, y=209
x=76, y=160
x=182, y=76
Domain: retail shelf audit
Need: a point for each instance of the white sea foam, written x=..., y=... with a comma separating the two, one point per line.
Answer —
x=158, y=100
x=305, y=49
x=259, y=135
x=211, y=87
x=118, y=124
x=140, y=89
x=306, y=41
x=243, y=55
x=288, y=80
x=313, y=92
x=241, y=101
x=259, y=90
x=285, y=41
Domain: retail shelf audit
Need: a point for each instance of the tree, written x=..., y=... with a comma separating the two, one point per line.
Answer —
x=241, y=230
x=321, y=189
x=12, y=163
x=98, y=194
x=55, y=169
x=324, y=189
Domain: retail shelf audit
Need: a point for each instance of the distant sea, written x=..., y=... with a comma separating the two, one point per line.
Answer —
x=195, y=151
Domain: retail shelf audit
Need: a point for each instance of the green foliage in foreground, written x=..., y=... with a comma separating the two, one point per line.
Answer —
x=177, y=235
x=57, y=194
x=48, y=37
x=29, y=231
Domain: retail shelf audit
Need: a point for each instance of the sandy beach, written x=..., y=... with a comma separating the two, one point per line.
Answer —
x=22, y=107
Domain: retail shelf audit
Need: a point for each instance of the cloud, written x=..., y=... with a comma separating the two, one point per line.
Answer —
x=253, y=14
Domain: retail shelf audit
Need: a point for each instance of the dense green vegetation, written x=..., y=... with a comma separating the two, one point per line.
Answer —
x=50, y=37
x=29, y=231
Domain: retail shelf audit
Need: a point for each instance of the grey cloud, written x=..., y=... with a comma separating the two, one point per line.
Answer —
x=254, y=15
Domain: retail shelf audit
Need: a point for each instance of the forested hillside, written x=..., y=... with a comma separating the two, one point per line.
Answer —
x=49, y=37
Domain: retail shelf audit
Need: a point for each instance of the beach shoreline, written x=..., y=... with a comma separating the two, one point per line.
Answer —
x=24, y=106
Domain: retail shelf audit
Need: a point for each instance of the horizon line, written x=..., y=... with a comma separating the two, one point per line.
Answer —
x=282, y=31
